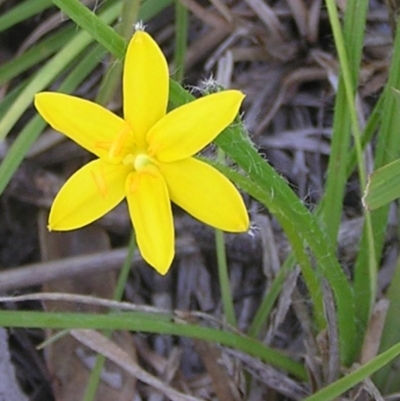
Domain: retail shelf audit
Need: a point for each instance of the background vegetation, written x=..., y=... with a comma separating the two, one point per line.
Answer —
x=302, y=307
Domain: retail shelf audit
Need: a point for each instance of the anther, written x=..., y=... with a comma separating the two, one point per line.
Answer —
x=99, y=180
x=118, y=144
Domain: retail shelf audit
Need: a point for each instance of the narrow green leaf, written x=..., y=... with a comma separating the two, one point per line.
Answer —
x=270, y=297
x=95, y=27
x=22, y=11
x=383, y=186
x=34, y=55
x=111, y=79
x=340, y=386
x=10, y=97
x=32, y=130
x=366, y=274
x=100, y=30
x=387, y=149
x=353, y=33
x=387, y=379
x=370, y=129
x=181, y=37
x=152, y=323
x=48, y=73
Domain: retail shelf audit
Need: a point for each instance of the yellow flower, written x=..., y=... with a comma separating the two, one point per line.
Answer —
x=145, y=157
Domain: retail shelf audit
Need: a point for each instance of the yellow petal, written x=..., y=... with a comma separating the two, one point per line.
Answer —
x=88, y=194
x=145, y=85
x=90, y=125
x=150, y=210
x=189, y=128
x=206, y=194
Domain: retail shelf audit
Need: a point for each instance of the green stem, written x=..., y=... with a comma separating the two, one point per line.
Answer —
x=224, y=283
x=94, y=379
x=223, y=273
x=126, y=268
x=181, y=33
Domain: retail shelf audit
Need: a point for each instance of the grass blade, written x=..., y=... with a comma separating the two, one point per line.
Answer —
x=387, y=150
x=340, y=386
x=22, y=11
x=383, y=186
x=151, y=323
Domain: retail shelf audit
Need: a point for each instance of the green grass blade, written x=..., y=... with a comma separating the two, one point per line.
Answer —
x=387, y=379
x=387, y=149
x=383, y=186
x=365, y=290
x=10, y=97
x=32, y=130
x=22, y=11
x=34, y=55
x=94, y=26
x=181, y=37
x=270, y=298
x=112, y=77
x=348, y=75
x=99, y=30
x=49, y=72
x=353, y=33
x=374, y=119
x=340, y=386
x=17, y=151
x=152, y=323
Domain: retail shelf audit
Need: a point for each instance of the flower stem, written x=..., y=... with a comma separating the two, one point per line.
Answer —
x=94, y=379
x=181, y=33
x=224, y=283
x=223, y=273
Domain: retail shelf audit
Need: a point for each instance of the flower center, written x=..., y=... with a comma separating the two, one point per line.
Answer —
x=140, y=162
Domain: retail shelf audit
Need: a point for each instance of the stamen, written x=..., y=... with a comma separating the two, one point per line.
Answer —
x=105, y=145
x=99, y=180
x=129, y=160
x=132, y=184
x=118, y=145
